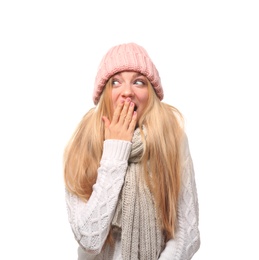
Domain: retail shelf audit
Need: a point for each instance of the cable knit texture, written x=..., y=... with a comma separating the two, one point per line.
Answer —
x=126, y=57
x=91, y=221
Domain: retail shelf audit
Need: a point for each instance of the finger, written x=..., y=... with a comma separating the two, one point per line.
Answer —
x=133, y=123
x=124, y=111
x=117, y=112
x=129, y=115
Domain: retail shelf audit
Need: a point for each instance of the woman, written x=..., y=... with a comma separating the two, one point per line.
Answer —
x=130, y=185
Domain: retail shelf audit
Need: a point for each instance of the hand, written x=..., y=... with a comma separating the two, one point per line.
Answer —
x=123, y=122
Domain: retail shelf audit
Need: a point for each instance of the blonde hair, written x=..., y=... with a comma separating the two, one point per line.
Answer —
x=161, y=158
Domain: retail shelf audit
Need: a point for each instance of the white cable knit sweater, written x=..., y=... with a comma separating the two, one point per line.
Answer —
x=90, y=222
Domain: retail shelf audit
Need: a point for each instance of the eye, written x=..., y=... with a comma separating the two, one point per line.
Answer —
x=115, y=82
x=139, y=82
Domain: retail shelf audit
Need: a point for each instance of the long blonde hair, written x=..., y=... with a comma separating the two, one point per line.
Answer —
x=161, y=158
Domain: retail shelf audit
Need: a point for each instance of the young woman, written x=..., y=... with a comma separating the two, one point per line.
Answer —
x=130, y=184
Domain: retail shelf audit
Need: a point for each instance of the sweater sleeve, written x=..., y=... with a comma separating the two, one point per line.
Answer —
x=187, y=237
x=90, y=221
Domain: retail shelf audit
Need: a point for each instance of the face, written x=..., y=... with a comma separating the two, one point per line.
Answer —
x=131, y=85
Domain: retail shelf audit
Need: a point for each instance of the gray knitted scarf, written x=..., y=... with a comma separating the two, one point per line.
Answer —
x=135, y=216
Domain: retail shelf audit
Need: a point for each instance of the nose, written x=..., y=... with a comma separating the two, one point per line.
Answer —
x=127, y=91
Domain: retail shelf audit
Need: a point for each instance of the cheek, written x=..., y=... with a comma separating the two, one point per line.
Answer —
x=143, y=98
x=114, y=97
x=143, y=101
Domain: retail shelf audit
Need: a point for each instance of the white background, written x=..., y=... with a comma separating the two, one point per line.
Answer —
x=208, y=59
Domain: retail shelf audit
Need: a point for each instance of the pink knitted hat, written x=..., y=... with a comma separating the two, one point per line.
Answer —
x=126, y=57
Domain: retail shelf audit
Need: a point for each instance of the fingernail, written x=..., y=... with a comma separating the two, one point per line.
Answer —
x=128, y=99
x=131, y=104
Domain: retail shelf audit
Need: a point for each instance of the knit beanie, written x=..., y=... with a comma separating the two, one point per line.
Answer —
x=126, y=57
